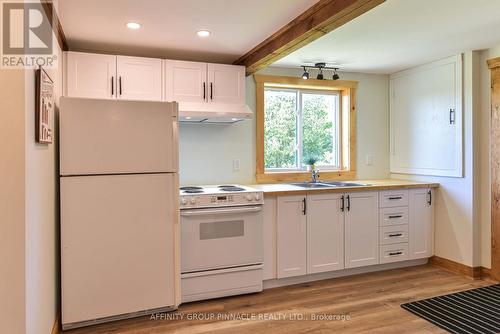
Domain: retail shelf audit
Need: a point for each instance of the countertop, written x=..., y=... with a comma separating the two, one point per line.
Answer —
x=386, y=184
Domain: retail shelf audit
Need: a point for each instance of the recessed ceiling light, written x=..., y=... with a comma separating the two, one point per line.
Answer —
x=188, y=117
x=203, y=33
x=133, y=25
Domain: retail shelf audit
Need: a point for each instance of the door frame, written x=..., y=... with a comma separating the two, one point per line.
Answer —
x=494, y=66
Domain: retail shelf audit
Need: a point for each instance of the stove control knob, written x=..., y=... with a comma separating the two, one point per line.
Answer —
x=192, y=200
x=257, y=197
x=183, y=201
x=249, y=197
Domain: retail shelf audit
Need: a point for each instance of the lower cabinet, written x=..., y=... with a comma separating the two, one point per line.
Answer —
x=421, y=223
x=361, y=229
x=325, y=233
x=291, y=236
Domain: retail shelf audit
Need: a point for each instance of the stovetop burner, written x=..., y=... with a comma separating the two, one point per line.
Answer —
x=195, y=191
x=191, y=188
x=231, y=188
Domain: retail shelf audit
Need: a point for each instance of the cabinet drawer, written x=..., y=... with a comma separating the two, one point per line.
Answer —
x=393, y=234
x=394, y=253
x=393, y=216
x=392, y=198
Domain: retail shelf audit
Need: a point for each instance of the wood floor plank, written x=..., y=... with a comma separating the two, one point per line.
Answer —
x=372, y=301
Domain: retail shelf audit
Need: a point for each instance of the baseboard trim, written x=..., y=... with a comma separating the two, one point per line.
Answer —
x=459, y=268
x=57, y=324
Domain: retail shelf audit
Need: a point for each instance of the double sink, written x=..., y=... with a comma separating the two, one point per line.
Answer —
x=327, y=184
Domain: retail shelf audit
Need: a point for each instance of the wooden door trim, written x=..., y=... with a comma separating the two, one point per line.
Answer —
x=494, y=66
x=320, y=19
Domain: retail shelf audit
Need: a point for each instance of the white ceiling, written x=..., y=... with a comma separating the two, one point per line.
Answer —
x=400, y=34
x=169, y=26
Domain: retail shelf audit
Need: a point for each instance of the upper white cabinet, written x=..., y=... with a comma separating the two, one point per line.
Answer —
x=291, y=236
x=325, y=233
x=421, y=223
x=110, y=77
x=226, y=84
x=426, y=119
x=90, y=75
x=139, y=78
x=361, y=229
x=185, y=81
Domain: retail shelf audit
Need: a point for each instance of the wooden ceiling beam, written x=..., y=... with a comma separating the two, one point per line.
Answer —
x=320, y=19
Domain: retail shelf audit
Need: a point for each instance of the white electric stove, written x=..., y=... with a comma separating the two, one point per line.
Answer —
x=221, y=241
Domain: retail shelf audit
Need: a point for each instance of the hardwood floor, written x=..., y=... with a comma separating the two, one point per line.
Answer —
x=371, y=301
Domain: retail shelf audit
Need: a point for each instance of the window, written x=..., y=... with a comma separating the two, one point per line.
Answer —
x=299, y=119
x=299, y=125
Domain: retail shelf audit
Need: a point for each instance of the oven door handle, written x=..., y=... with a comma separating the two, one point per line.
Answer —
x=203, y=212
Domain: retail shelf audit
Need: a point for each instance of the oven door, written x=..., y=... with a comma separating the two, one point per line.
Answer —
x=221, y=238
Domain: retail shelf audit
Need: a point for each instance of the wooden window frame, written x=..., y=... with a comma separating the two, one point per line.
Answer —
x=347, y=91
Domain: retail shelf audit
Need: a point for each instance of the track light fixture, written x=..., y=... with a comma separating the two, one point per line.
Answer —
x=320, y=67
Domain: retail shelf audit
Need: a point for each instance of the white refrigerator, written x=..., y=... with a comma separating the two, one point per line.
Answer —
x=119, y=209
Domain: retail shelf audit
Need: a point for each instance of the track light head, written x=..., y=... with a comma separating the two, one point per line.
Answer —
x=335, y=76
x=320, y=75
x=305, y=75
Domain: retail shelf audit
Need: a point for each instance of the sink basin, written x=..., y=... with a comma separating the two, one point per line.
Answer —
x=312, y=185
x=343, y=184
x=327, y=184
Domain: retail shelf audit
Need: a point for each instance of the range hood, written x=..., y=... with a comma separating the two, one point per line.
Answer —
x=192, y=112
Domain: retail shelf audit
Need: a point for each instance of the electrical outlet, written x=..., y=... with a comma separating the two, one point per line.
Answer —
x=236, y=165
x=369, y=160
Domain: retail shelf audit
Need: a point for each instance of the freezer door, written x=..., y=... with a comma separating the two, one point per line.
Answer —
x=112, y=137
x=117, y=244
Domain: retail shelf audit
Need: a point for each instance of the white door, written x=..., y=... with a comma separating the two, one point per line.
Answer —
x=90, y=75
x=110, y=137
x=325, y=233
x=139, y=78
x=291, y=235
x=361, y=229
x=226, y=83
x=421, y=227
x=117, y=244
x=185, y=81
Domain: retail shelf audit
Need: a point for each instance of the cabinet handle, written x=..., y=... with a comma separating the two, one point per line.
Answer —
x=395, y=235
x=395, y=217
x=452, y=116
x=112, y=86
x=348, y=202
x=211, y=91
x=395, y=253
x=342, y=204
x=304, y=206
x=395, y=197
x=204, y=91
x=429, y=200
x=120, y=85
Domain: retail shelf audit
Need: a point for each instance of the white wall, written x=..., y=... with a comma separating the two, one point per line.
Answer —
x=207, y=151
x=456, y=236
x=12, y=192
x=485, y=153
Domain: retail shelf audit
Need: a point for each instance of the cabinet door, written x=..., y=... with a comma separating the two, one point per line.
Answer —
x=226, y=83
x=291, y=236
x=325, y=233
x=421, y=232
x=139, y=78
x=90, y=75
x=361, y=229
x=185, y=81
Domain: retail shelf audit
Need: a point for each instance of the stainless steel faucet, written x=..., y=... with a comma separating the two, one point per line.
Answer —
x=314, y=175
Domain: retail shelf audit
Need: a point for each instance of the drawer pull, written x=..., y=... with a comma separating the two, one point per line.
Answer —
x=395, y=197
x=395, y=235
x=395, y=216
x=395, y=253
